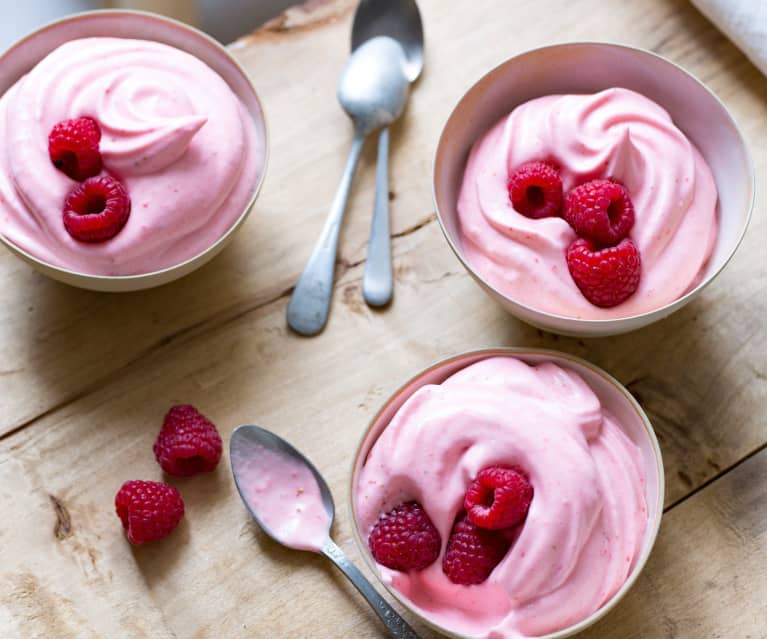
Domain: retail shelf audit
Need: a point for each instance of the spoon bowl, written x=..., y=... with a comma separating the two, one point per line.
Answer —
x=256, y=452
x=373, y=87
x=398, y=19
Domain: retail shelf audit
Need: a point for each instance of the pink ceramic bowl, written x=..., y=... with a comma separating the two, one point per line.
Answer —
x=588, y=68
x=613, y=396
x=26, y=53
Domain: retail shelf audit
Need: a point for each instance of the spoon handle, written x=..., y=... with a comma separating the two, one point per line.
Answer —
x=396, y=625
x=310, y=303
x=377, y=283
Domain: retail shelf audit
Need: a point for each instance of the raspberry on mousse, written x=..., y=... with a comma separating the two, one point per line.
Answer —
x=73, y=146
x=97, y=209
x=405, y=539
x=535, y=190
x=606, y=276
x=498, y=498
x=600, y=210
x=473, y=552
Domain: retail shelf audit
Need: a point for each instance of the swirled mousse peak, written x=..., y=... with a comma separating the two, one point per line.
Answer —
x=516, y=236
x=564, y=537
x=172, y=132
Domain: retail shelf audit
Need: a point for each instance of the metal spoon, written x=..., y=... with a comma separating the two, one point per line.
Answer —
x=372, y=90
x=245, y=446
x=401, y=20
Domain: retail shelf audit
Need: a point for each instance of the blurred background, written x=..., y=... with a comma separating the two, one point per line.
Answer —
x=225, y=20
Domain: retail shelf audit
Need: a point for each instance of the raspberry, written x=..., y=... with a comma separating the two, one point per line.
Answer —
x=600, y=210
x=96, y=210
x=605, y=276
x=472, y=552
x=149, y=510
x=405, y=539
x=498, y=498
x=188, y=442
x=73, y=146
x=535, y=190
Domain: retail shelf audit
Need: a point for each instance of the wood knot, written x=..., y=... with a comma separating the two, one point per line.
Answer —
x=63, y=527
x=351, y=298
x=311, y=14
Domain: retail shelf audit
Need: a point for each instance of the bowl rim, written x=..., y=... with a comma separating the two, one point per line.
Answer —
x=647, y=316
x=208, y=41
x=521, y=352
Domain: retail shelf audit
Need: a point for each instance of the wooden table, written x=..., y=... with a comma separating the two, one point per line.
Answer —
x=85, y=378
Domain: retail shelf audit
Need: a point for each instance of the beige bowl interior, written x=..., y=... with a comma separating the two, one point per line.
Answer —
x=20, y=59
x=588, y=68
x=614, y=397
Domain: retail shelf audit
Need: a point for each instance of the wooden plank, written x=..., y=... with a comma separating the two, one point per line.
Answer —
x=51, y=348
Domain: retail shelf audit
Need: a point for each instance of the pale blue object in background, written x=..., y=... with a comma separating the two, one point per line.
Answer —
x=223, y=19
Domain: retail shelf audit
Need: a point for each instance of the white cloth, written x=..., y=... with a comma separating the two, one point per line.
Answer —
x=744, y=22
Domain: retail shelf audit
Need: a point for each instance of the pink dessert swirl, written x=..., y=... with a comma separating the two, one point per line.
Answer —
x=173, y=133
x=587, y=519
x=618, y=134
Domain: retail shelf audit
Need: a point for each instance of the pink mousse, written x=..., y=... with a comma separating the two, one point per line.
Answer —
x=173, y=133
x=285, y=496
x=618, y=134
x=587, y=520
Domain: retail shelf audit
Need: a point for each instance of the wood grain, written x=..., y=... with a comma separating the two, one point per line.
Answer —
x=707, y=576
x=249, y=369
x=85, y=378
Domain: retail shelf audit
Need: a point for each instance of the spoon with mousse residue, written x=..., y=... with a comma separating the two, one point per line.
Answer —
x=372, y=90
x=292, y=504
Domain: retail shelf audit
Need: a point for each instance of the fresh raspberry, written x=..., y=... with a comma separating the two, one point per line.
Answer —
x=600, y=210
x=498, y=498
x=96, y=210
x=472, y=552
x=73, y=146
x=535, y=190
x=405, y=539
x=605, y=276
x=188, y=442
x=149, y=510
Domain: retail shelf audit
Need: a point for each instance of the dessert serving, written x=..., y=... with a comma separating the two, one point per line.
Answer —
x=122, y=157
x=505, y=502
x=588, y=206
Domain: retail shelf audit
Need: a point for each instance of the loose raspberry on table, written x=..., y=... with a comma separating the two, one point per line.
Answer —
x=535, y=190
x=73, y=146
x=472, y=552
x=600, y=210
x=96, y=210
x=149, y=510
x=498, y=498
x=188, y=442
x=405, y=539
x=605, y=276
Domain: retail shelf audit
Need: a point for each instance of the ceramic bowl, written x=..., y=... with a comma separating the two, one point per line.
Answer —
x=589, y=68
x=26, y=53
x=613, y=396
